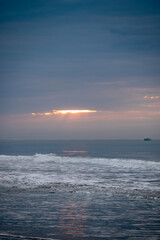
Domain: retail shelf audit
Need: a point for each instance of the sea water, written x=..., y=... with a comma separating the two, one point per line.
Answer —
x=80, y=189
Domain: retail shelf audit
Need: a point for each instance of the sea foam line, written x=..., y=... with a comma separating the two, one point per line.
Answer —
x=8, y=235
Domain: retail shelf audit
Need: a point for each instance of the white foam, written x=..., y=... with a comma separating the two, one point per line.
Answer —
x=50, y=171
x=127, y=163
x=14, y=236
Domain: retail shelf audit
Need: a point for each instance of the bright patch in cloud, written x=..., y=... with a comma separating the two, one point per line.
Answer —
x=63, y=112
x=152, y=97
x=73, y=111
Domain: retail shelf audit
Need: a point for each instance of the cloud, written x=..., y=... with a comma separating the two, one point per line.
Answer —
x=64, y=111
x=152, y=97
x=101, y=124
x=67, y=54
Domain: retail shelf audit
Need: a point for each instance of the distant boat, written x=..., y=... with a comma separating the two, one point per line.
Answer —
x=147, y=139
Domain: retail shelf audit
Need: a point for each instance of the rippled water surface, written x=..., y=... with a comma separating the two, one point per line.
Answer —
x=80, y=190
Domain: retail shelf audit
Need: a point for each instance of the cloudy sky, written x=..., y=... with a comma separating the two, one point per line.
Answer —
x=99, y=55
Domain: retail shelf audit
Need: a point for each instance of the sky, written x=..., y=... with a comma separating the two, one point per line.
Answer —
x=97, y=55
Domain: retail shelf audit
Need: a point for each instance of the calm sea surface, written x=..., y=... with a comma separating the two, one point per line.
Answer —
x=80, y=190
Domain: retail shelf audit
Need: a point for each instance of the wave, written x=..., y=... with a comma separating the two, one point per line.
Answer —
x=50, y=172
x=111, y=161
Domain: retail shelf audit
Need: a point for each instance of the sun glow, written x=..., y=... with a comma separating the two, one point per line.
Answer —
x=63, y=112
x=73, y=111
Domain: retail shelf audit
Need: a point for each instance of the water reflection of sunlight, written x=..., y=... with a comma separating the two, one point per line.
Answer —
x=72, y=220
x=69, y=153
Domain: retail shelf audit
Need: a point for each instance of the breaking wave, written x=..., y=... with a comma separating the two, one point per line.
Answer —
x=50, y=172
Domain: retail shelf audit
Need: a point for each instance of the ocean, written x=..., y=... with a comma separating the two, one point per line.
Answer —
x=80, y=189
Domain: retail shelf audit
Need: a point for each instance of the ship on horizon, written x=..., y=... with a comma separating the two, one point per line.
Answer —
x=147, y=139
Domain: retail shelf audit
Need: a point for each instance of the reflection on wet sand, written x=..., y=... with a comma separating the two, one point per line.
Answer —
x=72, y=220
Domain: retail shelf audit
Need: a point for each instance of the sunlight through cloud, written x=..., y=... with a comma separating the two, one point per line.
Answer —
x=152, y=97
x=63, y=112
